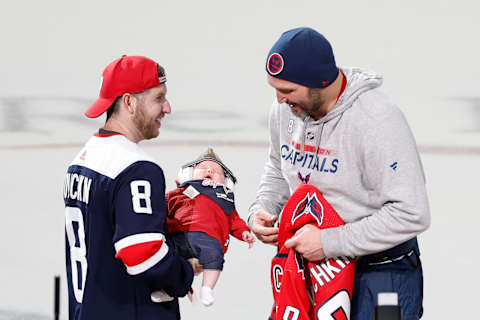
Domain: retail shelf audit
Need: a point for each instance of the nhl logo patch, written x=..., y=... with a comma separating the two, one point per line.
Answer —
x=275, y=64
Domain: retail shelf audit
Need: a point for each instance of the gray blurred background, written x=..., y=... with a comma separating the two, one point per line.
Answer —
x=52, y=56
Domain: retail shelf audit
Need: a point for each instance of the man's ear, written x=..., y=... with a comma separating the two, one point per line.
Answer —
x=129, y=102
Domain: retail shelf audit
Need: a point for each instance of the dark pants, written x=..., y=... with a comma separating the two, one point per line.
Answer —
x=396, y=270
x=193, y=244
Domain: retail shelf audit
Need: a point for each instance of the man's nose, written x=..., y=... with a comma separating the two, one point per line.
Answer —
x=281, y=98
x=166, y=108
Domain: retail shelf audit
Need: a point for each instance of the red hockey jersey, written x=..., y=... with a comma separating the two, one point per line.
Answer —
x=305, y=290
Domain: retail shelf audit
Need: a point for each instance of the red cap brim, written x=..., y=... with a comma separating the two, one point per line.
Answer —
x=99, y=107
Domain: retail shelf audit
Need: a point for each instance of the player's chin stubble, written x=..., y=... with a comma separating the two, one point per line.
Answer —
x=144, y=126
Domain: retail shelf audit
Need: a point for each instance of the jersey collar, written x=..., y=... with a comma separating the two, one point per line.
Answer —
x=102, y=133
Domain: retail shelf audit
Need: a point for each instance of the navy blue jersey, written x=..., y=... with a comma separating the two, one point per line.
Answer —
x=116, y=254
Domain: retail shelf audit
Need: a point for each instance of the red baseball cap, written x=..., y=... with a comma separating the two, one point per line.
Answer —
x=128, y=74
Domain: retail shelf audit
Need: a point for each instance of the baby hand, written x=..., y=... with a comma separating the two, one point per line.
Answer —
x=248, y=237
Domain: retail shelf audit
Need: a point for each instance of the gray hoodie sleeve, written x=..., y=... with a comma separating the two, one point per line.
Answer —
x=273, y=190
x=393, y=177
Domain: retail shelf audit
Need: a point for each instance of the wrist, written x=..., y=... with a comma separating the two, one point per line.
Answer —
x=250, y=219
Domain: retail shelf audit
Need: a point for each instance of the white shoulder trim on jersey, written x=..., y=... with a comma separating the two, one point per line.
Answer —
x=150, y=262
x=109, y=156
x=137, y=239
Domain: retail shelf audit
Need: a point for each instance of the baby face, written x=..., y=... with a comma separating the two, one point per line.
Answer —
x=209, y=170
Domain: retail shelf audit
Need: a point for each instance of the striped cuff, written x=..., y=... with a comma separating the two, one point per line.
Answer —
x=139, y=239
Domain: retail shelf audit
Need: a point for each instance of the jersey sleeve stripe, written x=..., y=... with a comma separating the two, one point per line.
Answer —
x=137, y=239
x=138, y=253
x=127, y=250
x=147, y=264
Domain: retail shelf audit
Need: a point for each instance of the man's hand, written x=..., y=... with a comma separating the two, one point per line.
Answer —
x=248, y=237
x=160, y=296
x=261, y=223
x=197, y=267
x=308, y=242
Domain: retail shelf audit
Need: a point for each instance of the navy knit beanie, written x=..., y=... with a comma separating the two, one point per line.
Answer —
x=303, y=56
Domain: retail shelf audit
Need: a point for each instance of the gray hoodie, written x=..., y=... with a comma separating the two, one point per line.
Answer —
x=362, y=156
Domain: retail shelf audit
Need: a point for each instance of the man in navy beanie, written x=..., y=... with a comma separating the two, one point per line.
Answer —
x=333, y=128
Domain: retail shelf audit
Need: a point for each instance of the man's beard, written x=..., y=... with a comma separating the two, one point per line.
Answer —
x=315, y=104
x=144, y=126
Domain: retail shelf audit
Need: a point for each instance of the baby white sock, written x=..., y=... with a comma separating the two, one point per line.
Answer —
x=206, y=296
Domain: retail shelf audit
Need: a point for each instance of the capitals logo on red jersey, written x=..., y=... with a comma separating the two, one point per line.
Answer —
x=309, y=205
x=309, y=290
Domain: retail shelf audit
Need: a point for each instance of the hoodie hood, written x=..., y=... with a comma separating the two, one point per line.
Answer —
x=358, y=81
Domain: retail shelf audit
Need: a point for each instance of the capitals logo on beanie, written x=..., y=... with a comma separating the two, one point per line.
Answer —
x=303, y=56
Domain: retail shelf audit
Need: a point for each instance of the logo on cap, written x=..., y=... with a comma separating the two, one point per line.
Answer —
x=275, y=64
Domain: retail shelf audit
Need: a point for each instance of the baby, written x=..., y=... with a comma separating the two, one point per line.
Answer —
x=202, y=214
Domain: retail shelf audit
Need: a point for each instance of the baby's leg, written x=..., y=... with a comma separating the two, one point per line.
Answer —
x=210, y=277
x=210, y=254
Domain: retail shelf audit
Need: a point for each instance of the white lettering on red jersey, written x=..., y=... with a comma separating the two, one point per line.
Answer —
x=302, y=289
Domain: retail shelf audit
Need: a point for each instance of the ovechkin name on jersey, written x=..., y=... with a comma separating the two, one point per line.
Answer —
x=302, y=289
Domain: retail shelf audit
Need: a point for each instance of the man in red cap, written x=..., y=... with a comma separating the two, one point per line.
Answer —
x=115, y=208
x=134, y=91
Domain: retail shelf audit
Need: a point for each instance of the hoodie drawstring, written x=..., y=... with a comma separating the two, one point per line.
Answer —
x=319, y=140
